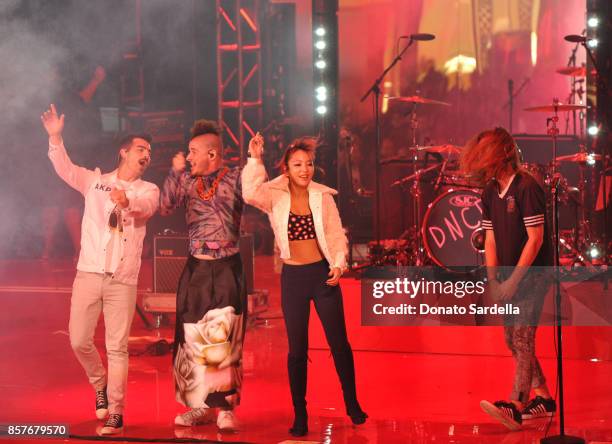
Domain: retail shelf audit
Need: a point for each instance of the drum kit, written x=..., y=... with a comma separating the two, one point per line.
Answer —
x=449, y=233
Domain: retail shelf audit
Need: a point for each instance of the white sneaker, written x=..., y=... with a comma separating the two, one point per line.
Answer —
x=195, y=417
x=226, y=421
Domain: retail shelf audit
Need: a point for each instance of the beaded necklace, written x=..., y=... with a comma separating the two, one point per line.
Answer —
x=208, y=194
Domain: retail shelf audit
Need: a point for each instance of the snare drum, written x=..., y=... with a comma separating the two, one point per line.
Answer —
x=452, y=234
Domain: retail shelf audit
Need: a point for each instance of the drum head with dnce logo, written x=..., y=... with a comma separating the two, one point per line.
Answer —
x=452, y=232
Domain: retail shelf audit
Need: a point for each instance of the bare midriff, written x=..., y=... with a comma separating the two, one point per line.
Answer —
x=304, y=252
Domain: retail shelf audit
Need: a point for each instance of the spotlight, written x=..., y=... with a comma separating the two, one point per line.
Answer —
x=590, y=159
x=321, y=64
x=593, y=43
x=320, y=31
x=594, y=251
x=321, y=90
x=593, y=130
x=320, y=44
x=593, y=22
x=321, y=109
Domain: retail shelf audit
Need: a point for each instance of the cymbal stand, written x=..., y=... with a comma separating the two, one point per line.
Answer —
x=418, y=255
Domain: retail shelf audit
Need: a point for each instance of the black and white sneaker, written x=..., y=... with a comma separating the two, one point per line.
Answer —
x=504, y=412
x=540, y=407
x=113, y=425
x=101, y=404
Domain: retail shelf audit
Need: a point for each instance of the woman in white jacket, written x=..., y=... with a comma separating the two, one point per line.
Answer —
x=313, y=248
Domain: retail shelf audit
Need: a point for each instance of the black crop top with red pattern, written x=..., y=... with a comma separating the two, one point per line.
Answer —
x=300, y=227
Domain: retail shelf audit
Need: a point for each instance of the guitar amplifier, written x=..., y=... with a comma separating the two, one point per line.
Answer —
x=170, y=256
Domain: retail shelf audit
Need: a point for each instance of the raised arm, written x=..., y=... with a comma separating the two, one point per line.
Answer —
x=77, y=177
x=173, y=191
x=255, y=189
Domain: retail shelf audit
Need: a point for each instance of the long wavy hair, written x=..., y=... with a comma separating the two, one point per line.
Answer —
x=489, y=154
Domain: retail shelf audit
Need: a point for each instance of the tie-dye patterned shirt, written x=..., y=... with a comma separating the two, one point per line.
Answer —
x=214, y=225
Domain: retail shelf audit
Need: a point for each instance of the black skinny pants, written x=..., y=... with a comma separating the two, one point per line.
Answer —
x=299, y=285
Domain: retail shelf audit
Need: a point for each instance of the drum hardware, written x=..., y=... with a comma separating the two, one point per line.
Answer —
x=573, y=71
x=447, y=149
x=416, y=100
x=582, y=158
x=555, y=109
x=375, y=90
x=417, y=175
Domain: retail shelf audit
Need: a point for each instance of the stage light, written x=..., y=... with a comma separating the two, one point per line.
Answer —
x=320, y=31
x=321, y=109
x=593, y=22
x=593, y=43
x=321, y=64
x=594, y=252
x=320, y=44
x=590, y=159
x=321, y=93
x=593, y=130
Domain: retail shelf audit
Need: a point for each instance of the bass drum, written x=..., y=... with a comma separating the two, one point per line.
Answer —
x=452, y=232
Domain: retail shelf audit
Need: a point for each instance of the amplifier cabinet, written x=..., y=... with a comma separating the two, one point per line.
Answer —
x=170, y=256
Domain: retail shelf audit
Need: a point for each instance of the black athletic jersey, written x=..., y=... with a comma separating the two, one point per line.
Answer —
x=523, y=205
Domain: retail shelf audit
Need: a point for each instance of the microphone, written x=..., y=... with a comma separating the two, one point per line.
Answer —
x=575, y=38
x=418, y=37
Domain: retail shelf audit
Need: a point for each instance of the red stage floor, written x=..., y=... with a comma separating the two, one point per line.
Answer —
x=412, y=397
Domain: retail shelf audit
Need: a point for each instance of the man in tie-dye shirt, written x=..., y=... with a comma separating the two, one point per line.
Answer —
x=211, y=298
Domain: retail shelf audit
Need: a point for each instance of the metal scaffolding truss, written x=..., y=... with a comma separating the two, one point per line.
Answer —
x=239, y=89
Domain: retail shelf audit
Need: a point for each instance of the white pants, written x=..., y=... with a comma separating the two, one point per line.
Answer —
x=93, y=293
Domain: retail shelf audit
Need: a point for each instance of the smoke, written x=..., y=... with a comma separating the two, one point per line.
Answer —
x=27, y=80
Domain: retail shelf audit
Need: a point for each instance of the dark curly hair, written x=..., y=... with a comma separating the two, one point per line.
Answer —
x=203, y=126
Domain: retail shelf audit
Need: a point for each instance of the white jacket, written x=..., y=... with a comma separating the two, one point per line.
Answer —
x=95, y=231
x=274, y=198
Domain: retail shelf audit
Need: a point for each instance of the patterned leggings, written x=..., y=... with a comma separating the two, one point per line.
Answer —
x=519, y=334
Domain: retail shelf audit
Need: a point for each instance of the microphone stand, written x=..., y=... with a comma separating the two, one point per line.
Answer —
x=603, y=81
x=572, y=97
x=562, y=438
x=513, y=95
x=375, y=88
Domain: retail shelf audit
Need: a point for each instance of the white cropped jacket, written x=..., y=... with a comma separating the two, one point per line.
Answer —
x=274, y=198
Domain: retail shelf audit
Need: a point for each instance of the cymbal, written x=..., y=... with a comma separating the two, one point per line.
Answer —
x=579, y=158
x=558, y=108
x=441, y=149
x=417, y=99
x=573, y=71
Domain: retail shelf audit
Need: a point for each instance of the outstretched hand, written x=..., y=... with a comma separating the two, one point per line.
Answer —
x=256, y=146
x=53, y=124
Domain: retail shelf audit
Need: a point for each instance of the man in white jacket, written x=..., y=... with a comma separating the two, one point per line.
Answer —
x=117, y=206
